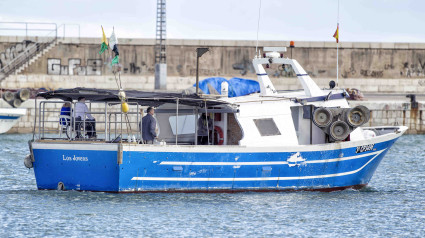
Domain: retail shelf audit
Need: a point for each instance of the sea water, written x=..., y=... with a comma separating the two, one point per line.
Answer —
x=392, y=205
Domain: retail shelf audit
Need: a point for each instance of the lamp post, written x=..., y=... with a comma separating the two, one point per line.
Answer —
x=291, y=45
x=199, y=53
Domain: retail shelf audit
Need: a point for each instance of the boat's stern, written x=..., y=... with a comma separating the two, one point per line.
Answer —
x=76, y=165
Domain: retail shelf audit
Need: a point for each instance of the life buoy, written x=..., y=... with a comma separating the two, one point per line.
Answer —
x=220, y=137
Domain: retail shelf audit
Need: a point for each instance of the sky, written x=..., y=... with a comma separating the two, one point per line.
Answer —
x=298, y=20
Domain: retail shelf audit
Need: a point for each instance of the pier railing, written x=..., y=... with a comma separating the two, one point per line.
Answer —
x=38, y=42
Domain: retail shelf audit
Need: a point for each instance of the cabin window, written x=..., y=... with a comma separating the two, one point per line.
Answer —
x=267, y=127
x=186, y=124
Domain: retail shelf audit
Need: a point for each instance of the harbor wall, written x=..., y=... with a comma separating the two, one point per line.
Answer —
x=370, y=67
x=178, y=83
x=383, y=113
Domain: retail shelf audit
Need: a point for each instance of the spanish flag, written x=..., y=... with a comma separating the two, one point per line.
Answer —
x=336, y=35
x=104, y=45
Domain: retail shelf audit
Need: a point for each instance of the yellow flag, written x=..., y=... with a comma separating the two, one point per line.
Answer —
x=104, y=45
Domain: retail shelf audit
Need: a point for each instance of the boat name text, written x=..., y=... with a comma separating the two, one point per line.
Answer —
x=75, y=158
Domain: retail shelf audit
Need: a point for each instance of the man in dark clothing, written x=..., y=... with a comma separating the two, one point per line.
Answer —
x=205, y=126
x=149, y=126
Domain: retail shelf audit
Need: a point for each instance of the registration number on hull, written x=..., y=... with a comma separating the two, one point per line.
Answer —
x=364, y=148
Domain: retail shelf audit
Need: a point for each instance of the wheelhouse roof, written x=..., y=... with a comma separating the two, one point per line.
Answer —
x=143, y=98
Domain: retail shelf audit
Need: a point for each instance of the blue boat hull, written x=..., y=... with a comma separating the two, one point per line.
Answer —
x=143, y=168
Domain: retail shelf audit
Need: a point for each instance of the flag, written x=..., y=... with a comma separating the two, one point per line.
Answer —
x=113, y=44
x=104, y=45
x=336, y=35
x=115, y=60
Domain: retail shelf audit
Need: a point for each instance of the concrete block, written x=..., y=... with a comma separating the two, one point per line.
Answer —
x=387, y=45
x=401, y=45
x=375, y=45
x=317, y=44
x=300, y=44
x=330, y=44
x=407, y=81
x=346, y=44
x=293, y=87
x=416, y=46
x=381, y=82
x=191, y=42
x=181, y=86
x=147, y=86
x=391, y=121
x=412, y=132
x=387, y=89
x=150, y=80
x=22, y=78
x=361, y=45
x=376, y=120
x=391, y=82
x=411, y=89
x=369, y=88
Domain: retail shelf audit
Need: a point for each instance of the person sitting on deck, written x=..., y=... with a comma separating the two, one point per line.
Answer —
x=205, y=125
x=65, y=111
x=149, y=126
x=82, y=114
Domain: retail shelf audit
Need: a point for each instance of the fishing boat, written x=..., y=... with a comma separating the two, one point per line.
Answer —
x=9, y=117
x=9, y=108
x=269, y=140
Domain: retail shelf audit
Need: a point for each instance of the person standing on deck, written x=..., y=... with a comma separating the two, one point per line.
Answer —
x=204, y=127
x=149, y=126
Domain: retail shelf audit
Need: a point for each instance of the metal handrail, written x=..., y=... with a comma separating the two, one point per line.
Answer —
x=30, y=52
x=23, y=58
x=26, y=26
x=64, y=29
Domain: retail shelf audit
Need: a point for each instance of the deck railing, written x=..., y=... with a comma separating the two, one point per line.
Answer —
x=111, y=124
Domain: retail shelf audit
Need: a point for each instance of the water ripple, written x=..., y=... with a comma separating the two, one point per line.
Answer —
x=392, y=205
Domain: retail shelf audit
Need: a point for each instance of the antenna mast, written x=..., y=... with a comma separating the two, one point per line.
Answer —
x=160, y=46
x=258, y=29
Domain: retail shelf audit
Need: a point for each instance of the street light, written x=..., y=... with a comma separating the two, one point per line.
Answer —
x=199, y=53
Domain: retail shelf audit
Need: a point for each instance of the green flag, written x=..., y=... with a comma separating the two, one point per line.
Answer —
x=115, y=60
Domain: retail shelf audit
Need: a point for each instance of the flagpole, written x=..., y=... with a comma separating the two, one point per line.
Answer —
x=337, y=74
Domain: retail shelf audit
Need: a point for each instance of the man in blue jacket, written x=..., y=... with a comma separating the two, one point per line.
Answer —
x=149, y=126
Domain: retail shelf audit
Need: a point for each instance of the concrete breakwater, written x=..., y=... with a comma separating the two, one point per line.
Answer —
x=387, y=113
x=177, y=83
x=383, y=113
x=370, y=67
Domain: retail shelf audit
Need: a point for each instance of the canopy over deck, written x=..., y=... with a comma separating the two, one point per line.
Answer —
x=143, y=98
